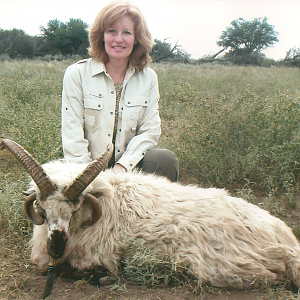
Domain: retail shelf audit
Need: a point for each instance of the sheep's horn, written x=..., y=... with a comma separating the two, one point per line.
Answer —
x=31, y=165
x=29, y=210
x=80, y=183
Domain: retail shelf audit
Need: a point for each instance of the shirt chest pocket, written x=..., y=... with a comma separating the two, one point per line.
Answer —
x=93, y=106
x=135, y=106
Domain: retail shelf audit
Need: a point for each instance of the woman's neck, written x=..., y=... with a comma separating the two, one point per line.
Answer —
x=116, y=70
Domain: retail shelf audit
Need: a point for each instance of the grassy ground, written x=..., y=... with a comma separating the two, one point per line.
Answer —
x=232, y=127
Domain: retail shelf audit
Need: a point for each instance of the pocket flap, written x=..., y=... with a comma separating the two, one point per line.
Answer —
x=136, y=100
x=93, y=102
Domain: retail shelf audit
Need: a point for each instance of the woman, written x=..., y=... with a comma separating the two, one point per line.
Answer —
x=113, y=97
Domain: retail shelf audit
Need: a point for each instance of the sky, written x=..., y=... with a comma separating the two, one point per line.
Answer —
x=195, y=24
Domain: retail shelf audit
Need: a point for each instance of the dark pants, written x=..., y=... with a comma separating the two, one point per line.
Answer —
x=161, y=162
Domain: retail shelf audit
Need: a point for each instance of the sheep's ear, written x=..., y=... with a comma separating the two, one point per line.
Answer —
x=97, y=210
x=30, y=212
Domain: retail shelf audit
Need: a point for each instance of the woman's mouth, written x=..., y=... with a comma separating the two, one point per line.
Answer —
x=118, y=47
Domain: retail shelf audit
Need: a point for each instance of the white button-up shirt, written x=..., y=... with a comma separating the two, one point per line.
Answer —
x=88, y=113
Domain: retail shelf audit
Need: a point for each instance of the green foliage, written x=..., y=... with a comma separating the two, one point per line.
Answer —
x=242, y=57
x=30, y=100
x=65, y=38
x=148, y=269
x=15, y=43
x=254, y=35
x=233, y=127
x=12, y=217
x=244, y=38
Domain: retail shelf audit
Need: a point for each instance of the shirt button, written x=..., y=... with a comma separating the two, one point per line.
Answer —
x=109, y=134
x=118, y=150
x=128, y=102
x=100, y=95
x=133, y=129
x=111, y=113
x=112, y=92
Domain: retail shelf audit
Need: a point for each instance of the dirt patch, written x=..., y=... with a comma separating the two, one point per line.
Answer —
x=21, y=280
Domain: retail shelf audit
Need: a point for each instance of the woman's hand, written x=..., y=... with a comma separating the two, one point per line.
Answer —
x=119, y=169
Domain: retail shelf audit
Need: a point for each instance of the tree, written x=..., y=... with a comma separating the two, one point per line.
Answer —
x=163, y=51
x=65, y=38
x=16, y=43
x=292, y=57
x=245, y=38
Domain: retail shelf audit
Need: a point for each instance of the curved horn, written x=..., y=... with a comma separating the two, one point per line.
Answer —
x=29, y=210
x=31, y=165
x=80, y=183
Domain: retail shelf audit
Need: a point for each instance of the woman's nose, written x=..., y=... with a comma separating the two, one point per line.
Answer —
x=119, y=37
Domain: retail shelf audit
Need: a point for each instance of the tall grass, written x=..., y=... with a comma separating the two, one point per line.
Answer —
x=30, y=115
x=229, y=125
x=233, y=125
x=30, y=105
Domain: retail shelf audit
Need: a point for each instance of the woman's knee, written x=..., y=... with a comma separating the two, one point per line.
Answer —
x=161, y=162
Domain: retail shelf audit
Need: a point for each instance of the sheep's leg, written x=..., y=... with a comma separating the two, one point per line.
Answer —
x=106, y=280
x=98, y=276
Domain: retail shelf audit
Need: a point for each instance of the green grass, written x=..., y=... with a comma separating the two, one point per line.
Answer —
x=233, y=127
x=229, y=125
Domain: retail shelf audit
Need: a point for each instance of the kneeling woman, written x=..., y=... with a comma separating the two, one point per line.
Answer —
x=113, y=97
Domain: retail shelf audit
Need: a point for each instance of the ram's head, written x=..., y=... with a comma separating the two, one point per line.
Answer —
x=39, y=203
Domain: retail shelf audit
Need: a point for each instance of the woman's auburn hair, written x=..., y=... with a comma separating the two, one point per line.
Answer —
x=106, y=17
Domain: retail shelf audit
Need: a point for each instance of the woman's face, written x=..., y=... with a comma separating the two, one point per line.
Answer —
x=119, y=39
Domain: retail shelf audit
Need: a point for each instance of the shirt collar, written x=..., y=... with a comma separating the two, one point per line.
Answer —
x=97, y=67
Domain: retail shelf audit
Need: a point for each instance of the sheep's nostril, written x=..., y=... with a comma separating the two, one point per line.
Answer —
x=56, y=244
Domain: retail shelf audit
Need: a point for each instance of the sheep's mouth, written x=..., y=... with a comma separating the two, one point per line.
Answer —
x=56, y=244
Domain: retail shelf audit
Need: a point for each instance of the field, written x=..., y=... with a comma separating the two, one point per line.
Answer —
x=231, y=127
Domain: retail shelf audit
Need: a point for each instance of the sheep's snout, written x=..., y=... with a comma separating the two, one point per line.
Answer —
x=56, y=243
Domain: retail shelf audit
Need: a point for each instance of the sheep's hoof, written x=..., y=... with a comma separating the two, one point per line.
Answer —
x=106, y=280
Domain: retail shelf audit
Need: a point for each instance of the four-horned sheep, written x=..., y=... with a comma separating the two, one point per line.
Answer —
x=86, y=217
